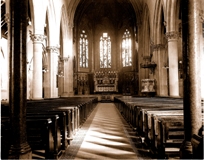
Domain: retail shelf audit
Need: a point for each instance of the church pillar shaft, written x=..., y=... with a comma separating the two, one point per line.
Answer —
x=68, y=65
x=37, y=65
x=173, y=63
x=19, y=147
x=192, y=81
x=53, y=52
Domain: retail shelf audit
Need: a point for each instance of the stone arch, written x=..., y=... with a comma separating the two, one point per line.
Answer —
x=158, y=17
x=159, y=49
x=64, y=29
x=144, y=42
x=173, y=10
x=146, y=31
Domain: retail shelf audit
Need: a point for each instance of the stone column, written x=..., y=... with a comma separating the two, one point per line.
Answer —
x=19, y=148
x=37, y=65
x=53, y=52
x=202, y=52
x=68, y=64
x=191, y=71
x=8, y=45
x=161, y=71
x=173, y=63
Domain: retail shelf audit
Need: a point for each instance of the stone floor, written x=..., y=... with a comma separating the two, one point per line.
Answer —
x=106, y=135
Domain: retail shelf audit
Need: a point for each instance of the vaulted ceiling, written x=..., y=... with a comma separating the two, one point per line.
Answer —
x=116, y=11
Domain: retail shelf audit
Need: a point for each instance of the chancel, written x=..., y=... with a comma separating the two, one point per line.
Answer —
x=102, y=79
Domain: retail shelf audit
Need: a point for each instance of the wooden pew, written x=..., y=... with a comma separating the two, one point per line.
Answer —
x=130, y=107
x=73, y=107
x=5, y=136
x=40, y=136
x=165, y=132
x=55, y=128
x=61, y=124
x=146, y=111
x=170, y=135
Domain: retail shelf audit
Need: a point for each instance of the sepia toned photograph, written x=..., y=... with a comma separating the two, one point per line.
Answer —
x=102, y=79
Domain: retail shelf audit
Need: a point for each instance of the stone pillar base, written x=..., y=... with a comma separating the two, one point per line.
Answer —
x=186, y=150
x=20, y=152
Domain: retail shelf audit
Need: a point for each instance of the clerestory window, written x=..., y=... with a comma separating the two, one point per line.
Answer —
x=126, y=49
x=105, y=51
x=83, y=50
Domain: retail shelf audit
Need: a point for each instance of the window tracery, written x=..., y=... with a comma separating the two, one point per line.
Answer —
x=105, y=51
x=126, y=49
x=83, y=50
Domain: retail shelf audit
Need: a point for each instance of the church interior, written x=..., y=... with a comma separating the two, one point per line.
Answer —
x=69, y=67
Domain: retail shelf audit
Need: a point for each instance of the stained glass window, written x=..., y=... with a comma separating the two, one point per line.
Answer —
x=83, y=50
x=126, y=49
x=105, y=51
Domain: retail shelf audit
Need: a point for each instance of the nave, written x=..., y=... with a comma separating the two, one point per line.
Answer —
x=126, y=127
x=106, y=135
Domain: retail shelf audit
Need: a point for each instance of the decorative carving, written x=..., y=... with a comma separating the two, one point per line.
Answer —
x=156, y=47
x=173, y=35
x=82, y=83
x=201, y=14
x=148, y=63
x=38, y=38
x=65, y=59
x=180, y=30
x=53, y=49
x=148, y=85
x=7, y=18
x=106, y=81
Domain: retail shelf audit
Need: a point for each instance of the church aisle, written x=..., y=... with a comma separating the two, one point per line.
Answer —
x=104, y=135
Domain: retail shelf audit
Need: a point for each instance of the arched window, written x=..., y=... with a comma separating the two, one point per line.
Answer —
x=105, y=51
x=83, y=50
x=127, y=49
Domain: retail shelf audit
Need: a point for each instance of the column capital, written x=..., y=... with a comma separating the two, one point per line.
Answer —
x=53, y=49
x=38, y=38
x=172, y=35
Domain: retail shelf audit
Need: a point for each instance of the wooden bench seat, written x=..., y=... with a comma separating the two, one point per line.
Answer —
x=55, y=128
x=5, y=136
x=40, y=136
x=141, y=111
x=168, y=132
x=71, y=112
x=61, y=123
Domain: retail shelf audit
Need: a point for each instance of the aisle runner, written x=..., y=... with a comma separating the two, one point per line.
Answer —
x=106, y=138
x=72, y=150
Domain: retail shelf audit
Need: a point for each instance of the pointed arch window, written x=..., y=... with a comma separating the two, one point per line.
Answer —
x=105, y=51
x=83, y=50
x=126, y=49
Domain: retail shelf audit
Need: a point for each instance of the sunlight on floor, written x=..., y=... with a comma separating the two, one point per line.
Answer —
x=106, y=138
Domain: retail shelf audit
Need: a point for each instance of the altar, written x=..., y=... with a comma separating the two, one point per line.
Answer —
x=106, y=81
